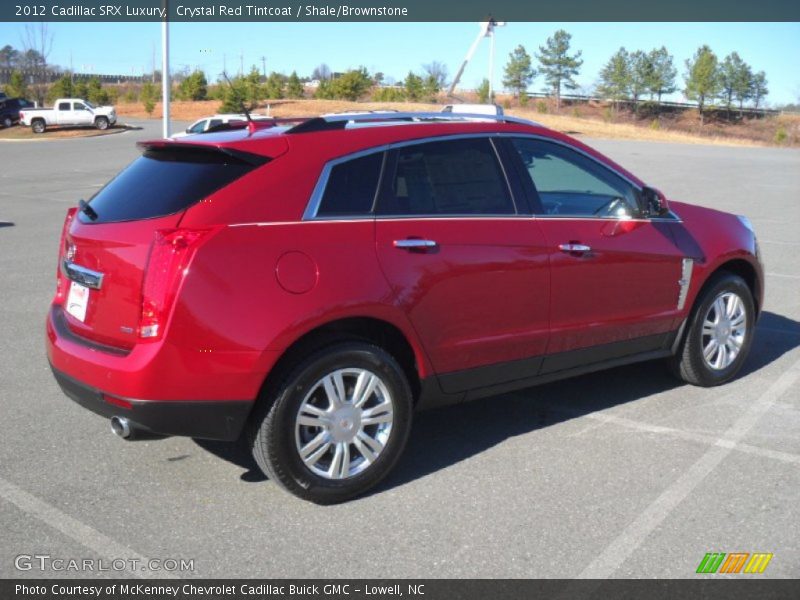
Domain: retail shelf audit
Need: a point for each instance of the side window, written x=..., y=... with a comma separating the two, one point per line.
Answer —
x=452, y=177
x=214, y=123
x=80, y=106
x=197, y=127
x=570, y=184
x=63, y=106
x=351, y=187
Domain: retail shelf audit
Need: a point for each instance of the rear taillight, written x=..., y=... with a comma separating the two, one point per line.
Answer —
x=170, y=256
x=61, y=281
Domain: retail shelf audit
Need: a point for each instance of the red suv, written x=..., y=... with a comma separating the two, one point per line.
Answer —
x=306, y=285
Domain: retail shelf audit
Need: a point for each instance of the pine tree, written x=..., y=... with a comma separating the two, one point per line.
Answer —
x=518, y=71
x=557, y=65
x=294, y=88
x=615, y=77
x=702, y=78
x=662, y=76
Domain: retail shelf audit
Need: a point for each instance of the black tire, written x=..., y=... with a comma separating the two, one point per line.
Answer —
x=38, y=126
x=273, y=430
x=7, y=122
x=689, y=363
x=101, y=123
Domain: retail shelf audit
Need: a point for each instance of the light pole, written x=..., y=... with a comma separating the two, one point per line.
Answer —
x=165, y=81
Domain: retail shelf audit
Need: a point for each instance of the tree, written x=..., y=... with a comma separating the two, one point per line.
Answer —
x=80, y=89
x=237, y=92
x=352, y=84
x=734, y=77
x=294, y=88
x=414, y=87
x=96, y=94
x=194, y=86
x=148, y=97
x=640, y=74
x=9, y=56
x=743, y=86
x=436, y=75
x=518, y=71
x=62, y=88
x=483, y=91
x=615, y=77
x=557, y=65
x=16, y=86
x=702, y=78
x=758, y=88
x=273, y=88
x=321, y=72
x=37, y=42
x=662, y=74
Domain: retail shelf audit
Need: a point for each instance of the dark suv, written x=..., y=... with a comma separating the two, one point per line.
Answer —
x=9, y=110
x=305, y=285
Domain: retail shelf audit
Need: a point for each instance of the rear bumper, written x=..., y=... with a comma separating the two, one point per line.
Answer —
x=214, y=420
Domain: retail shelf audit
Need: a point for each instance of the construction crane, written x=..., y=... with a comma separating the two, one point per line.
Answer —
x=486, y=30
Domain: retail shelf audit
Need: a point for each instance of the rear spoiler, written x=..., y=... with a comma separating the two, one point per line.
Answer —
x=249, y=158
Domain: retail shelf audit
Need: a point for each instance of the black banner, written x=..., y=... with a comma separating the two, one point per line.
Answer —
x=397, y=10
x=423, y=589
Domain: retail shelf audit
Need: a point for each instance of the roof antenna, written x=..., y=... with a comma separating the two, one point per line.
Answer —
x=251, y=126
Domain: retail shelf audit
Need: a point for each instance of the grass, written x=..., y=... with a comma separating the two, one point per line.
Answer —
x=19, y=132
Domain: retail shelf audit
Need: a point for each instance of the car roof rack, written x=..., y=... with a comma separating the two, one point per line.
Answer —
x=341, y=121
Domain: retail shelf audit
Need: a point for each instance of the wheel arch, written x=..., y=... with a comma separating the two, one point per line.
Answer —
x=381, y=332
x=744, y=269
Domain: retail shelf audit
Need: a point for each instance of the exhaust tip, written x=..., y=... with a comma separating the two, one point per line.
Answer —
x=121, y=427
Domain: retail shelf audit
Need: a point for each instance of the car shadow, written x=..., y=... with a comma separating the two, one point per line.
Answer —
x=446, y=436
x=6, y=224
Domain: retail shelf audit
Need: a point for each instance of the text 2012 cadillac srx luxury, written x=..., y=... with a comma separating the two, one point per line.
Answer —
x=306, y=285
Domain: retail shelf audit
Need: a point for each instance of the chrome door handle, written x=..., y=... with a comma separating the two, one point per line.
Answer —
x=574, y=248
x=413, y=244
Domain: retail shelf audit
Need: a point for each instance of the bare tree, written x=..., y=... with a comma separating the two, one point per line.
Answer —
x=436, y=71
x=37, y=42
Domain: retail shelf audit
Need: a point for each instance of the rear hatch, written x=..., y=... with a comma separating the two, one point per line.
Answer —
x=131, y=227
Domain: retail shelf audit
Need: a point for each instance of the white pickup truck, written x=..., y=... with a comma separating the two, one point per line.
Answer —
x=68, y=112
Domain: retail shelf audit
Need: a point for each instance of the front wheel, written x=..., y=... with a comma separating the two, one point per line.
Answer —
x=720, y=332
x=336, y=425
x=101, y=123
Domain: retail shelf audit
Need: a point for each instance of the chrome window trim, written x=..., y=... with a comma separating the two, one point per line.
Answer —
x=312, y=207
x=315, y=200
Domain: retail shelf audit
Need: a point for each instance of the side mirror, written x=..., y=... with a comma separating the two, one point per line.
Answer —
x=655, y=202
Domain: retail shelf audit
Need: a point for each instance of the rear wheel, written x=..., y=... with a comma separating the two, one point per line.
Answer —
x=7, y=122
x=336, y=425
x=720, y=333
x=38, y=126
x=101, y=123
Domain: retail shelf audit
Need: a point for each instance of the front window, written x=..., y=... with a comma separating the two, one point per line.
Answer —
x=570, y=184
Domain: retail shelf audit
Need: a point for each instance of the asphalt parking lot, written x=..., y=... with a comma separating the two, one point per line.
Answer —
x=623, y=473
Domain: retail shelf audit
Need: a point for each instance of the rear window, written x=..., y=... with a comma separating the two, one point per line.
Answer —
x=351, y=187
x=162, y=182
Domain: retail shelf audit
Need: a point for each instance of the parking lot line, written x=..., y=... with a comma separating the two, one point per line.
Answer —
x=87, y=536
x=634, y=535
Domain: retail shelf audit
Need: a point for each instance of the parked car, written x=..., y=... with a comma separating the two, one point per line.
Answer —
x=305, y=287
x=72, y=112
x=10, y=108
x=213, y=122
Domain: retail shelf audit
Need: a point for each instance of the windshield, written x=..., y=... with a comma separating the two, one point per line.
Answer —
x=89, y=104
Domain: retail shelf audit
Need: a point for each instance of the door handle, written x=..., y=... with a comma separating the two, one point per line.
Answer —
x=415, y=244
x=573, y=248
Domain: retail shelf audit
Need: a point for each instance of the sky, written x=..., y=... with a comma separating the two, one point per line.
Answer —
x=396, y=48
